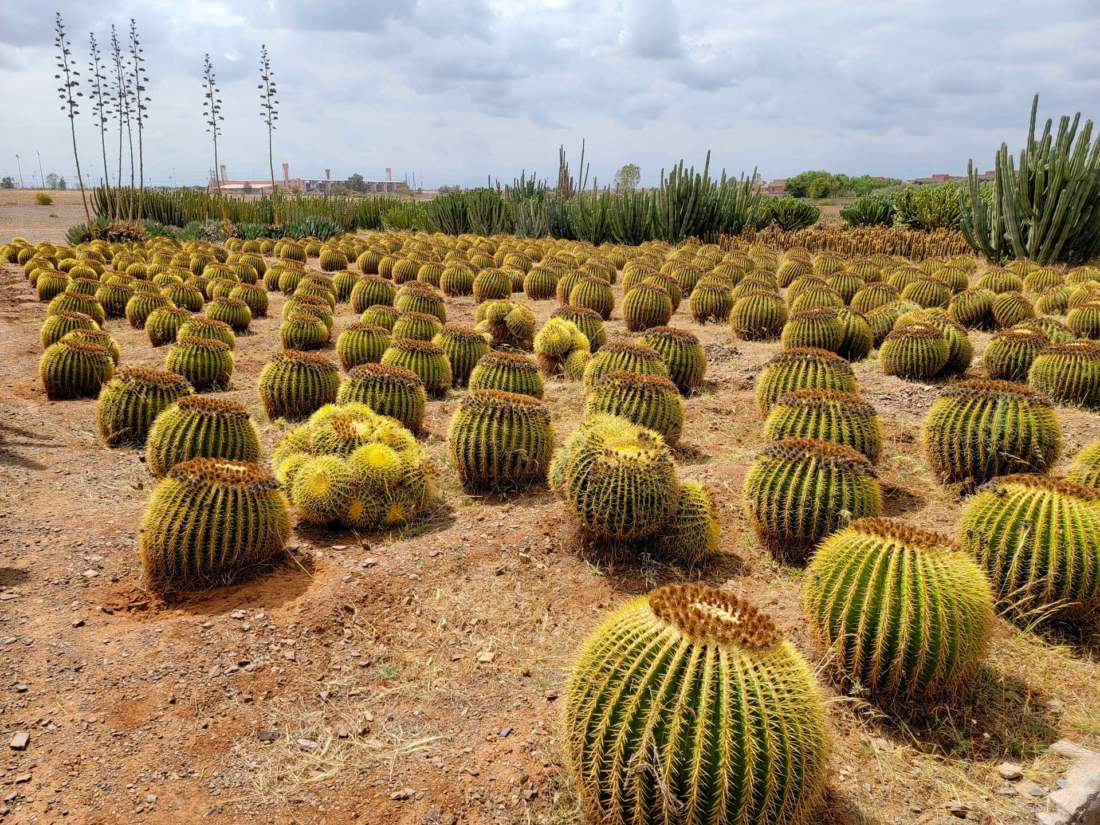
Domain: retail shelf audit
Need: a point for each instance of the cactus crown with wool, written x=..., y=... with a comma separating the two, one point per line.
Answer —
x=798, y=491
x=902, y=611
x=698, y=685
x=499, y=439
x=1038, y=538
x=208, y=519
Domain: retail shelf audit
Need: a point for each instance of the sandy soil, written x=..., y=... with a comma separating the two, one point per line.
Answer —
x=413, y=678
x=20, y=215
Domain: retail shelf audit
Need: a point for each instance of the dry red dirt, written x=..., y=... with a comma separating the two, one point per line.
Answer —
x=414, y=677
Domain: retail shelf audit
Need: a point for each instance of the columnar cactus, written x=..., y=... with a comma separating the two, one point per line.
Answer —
x=197, y=426
x=208, y=519
x=799, y=369
x=618, y=479
x=799, y=490
x=425, y=359
x=393, y=391
x=1038, y=538
x=500, y=439
x=700, y=686
x=294, y=384
x=509, y=371
x=900, y=610
x=74, y=369
x=1069, y=373
x=682, y=354
x=130, y=402
x=649, y=401
x=827, y=415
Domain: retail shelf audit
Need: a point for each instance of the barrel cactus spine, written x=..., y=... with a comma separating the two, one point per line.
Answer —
x=294, y=384
x=131, y=401
x=197, y=426
x=627, y=704
x=499, y=440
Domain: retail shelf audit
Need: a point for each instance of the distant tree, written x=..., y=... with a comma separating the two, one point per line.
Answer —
x=356, y=183
x=443, y=190
x=628, y=177
x=821, y=185
x=61, y=184
x=8, y=182
x=51, y=180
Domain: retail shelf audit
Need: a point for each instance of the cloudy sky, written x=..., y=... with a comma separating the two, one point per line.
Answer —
x=452, y=90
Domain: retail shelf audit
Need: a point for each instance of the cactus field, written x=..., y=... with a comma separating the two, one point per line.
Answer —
x=422, y=528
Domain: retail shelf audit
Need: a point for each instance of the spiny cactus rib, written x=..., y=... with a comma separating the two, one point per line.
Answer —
x=130, y=402
x=901, y=611
x=627, y=356
x=804, y=368
x=682, y=354
x=464, y=347
x=827, y=415
x=294, y=384
x=205, y=362
x=799, y=490
x=393, y=391
x=1085, y=467
x=74, y=368
x=508, y=371
x=1038, y=538
x=500, y=439
x=619, y=479
x=197, y=426
x=917, y=351
x=650, y=401
x=425, y=359
x=1068, y=373
x=1010, y=354
x=700, y=686
x=361, y=343
x=693, y=533
x=210, y=518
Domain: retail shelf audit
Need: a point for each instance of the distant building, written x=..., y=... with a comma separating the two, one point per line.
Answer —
x=944, y=177
x=775, y=187
x=262, y=186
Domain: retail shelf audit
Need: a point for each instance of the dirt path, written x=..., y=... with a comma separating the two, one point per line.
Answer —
x=413, y=678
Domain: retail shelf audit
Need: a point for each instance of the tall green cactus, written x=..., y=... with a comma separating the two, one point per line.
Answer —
x=1046, y=209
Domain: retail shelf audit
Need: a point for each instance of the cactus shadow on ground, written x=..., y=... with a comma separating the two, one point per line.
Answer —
x=999, y=717
x=689, y=455
x=897, y=501
x=10, y=576
x=839, y=808
x=263, y=586
x=31, y=440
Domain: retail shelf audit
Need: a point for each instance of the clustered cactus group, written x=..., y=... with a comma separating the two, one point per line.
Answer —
x=684, y=705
